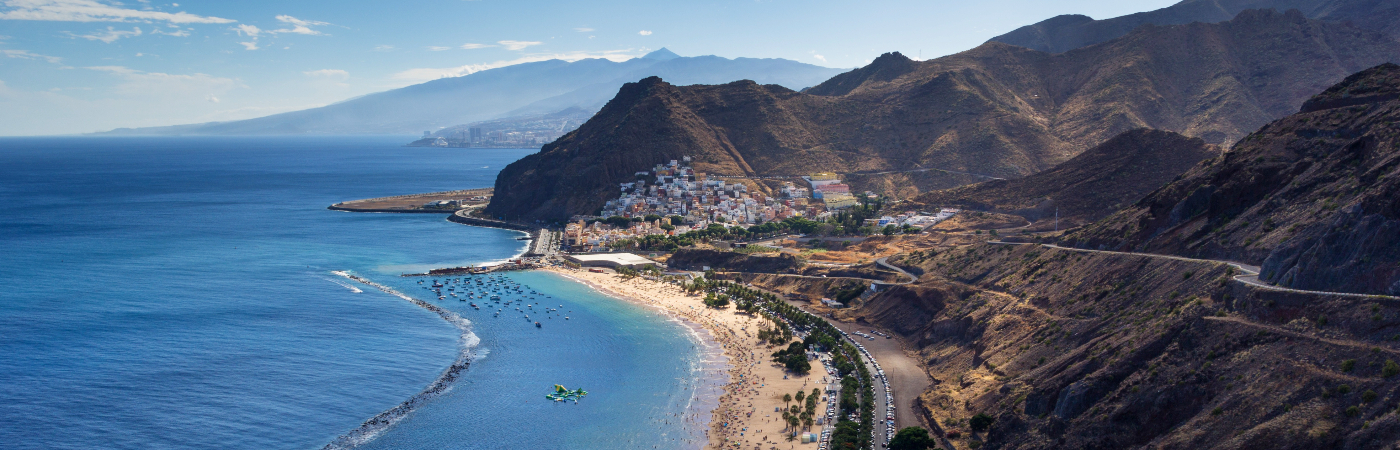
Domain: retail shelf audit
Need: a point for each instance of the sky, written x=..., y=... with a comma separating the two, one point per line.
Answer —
x=76, y=66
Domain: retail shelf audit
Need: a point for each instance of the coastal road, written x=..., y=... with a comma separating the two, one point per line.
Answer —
x=906, y=377
x=1249, y=274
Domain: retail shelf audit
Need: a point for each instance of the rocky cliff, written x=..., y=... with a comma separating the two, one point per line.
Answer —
x=1088, y=187
x=996, y=110
x=1314, y=198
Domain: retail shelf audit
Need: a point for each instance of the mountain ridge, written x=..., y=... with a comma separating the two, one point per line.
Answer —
x=1311, y=198
x=1071, y=31
x=1086, y=188
x=997, y=110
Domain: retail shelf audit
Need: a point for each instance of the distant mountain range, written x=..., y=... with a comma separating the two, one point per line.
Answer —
x=529, y=89
x=997, y=110
x=1067, y=32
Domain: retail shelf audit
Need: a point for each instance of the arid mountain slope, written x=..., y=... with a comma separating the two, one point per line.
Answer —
x=1071, y=31
x=1314, y=198
x=1072, y=349
x=997, y=110
x=1088, y=187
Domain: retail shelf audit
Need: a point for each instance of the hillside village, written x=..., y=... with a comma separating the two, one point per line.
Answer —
x=673, y=199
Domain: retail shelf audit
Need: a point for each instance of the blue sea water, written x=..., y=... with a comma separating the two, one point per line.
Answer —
x=175, y=293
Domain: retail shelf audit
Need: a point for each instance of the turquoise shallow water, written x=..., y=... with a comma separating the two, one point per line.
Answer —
x=176, y=293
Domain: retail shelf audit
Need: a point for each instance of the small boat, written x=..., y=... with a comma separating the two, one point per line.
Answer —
x=537, y=325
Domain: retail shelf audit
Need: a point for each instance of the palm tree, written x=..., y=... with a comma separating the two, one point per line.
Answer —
x=787, y=398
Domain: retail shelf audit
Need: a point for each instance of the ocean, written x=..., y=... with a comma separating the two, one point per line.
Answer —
x=178, y=293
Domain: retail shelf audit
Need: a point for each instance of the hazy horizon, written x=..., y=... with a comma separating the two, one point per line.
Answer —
x=78, y=66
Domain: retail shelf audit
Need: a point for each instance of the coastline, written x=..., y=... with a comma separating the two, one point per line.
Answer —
x=704, y=336
x=744, y=413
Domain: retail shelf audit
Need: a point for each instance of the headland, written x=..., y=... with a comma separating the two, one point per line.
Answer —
x=431, y=202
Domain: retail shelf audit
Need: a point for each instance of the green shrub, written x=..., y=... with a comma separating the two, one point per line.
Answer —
x=1368, y=396
x=981, y=422
x=1390, y=369
x=1348, y=365
x=1344, y=389
x=1217, y=411
x=1353, y=411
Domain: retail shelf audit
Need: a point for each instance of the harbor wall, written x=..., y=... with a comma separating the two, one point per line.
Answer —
x=462, y=218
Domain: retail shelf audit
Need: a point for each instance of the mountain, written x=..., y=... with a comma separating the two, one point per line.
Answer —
x=536, y=88
x=997, y=110
x=1313, y=198
x=1089, y=186
x=1067, y=32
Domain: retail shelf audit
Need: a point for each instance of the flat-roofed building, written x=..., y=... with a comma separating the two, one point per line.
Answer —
x=613, y=260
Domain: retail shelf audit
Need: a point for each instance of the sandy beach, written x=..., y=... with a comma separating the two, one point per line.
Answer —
x=746, y=416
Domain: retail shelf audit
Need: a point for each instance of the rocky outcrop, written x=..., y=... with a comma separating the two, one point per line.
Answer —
x=698, y=259
x=996, y=110
x=1314, y=198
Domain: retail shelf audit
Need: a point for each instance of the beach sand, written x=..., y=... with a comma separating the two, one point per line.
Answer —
x=745, y=415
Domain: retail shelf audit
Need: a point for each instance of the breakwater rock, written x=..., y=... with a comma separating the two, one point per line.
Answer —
x=462, y=218
x=382, y=421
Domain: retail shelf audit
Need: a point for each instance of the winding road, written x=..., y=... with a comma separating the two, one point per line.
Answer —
x=1249, y=274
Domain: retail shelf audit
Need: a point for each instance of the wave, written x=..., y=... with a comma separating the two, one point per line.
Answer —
x=347, y=286
x=384, y=420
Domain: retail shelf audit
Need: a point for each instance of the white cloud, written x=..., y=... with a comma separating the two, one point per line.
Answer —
x=109, y=36
x=25, y=54
x=429, y=74
x=328, y=73
x=438, y=49
x=517, y=45
x=644, y=32
x=298, y=26
x=818, y=57
x=383, y=48
x=470, y=46
x=93, y=11
x=176, y=33
x=247, y=30
x=583, y=29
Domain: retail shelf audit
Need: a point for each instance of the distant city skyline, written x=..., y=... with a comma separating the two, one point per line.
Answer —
x=74, y=66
